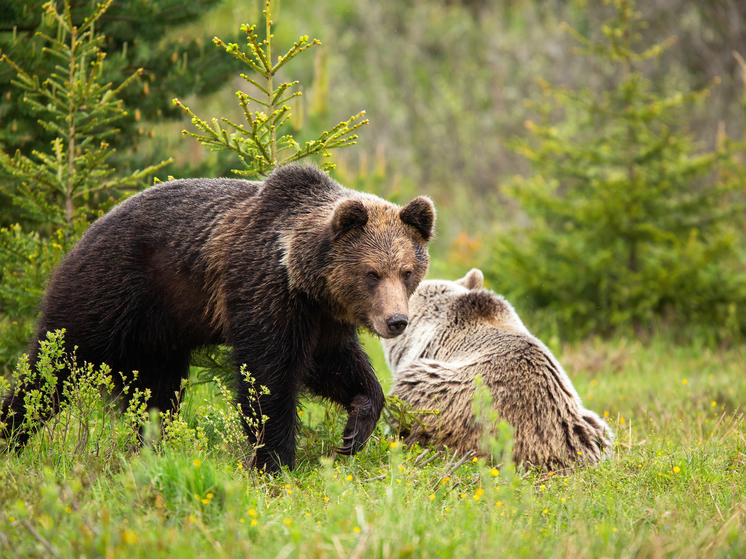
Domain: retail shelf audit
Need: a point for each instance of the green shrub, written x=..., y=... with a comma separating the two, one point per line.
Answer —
x=85, y=428
x=260, y=143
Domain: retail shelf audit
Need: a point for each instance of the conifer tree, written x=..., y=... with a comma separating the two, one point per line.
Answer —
x=137, y=36
x=631, y=219
x=261, y=144
x=59, y=187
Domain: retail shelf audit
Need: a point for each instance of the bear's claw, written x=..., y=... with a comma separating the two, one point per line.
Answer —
x=349, y=446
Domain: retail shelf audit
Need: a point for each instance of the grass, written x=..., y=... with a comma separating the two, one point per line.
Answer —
x=675, y=487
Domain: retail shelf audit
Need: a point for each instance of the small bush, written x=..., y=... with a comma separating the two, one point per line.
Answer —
x=73, y=408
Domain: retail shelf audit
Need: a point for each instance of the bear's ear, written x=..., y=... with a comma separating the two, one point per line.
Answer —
x=473, y=280
x=420, y=214
x=348, y=215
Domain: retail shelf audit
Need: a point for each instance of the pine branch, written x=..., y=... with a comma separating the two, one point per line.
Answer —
x=77, y=108
x=257, y=145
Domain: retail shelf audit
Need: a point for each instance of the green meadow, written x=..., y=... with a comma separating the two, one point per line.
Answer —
x=675, y=486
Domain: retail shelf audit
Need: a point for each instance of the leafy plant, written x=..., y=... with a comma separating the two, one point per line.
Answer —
x=228, y=424
x=399, y=416
x=75, y=414
x=257, y=143
x=631, y=221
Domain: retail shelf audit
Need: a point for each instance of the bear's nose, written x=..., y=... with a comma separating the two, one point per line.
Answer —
x=397, y=324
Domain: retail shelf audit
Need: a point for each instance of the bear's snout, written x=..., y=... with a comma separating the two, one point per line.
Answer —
x=397, y=324
x=388, y=307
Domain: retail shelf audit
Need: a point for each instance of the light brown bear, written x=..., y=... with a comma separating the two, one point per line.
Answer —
x=457, y=330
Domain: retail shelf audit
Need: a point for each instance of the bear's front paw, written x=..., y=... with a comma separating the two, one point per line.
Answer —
x=363, y=416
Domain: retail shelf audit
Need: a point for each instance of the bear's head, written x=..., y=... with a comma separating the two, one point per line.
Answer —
x=446, y=318
x=378, y=257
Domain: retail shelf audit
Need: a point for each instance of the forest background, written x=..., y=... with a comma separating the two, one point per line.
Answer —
x=601, y=192
x=452, y=91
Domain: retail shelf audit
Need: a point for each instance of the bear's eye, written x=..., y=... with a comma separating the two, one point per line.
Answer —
x=407, y=275
x=373, y=276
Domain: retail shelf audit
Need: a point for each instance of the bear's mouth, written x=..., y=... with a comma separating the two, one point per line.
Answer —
x=387, y=328
x=370, y=327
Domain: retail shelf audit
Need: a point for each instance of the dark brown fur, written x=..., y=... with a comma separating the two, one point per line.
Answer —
x=285, y=271
x=458, y=331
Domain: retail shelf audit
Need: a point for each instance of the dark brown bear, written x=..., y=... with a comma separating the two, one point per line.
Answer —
x=285, y=271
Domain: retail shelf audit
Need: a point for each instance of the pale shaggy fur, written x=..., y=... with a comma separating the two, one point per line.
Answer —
x=457, y=331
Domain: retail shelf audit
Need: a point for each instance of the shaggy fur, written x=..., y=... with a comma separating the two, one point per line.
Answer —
x=285, y=271
x=458, y=331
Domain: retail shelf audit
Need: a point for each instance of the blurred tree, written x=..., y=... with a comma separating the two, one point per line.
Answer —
x=709, y=32
x=630, y=218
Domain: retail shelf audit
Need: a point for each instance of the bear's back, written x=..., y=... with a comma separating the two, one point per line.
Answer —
x=178, y=216
x=154, y=237
x=192, y=203
x=487, y=345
